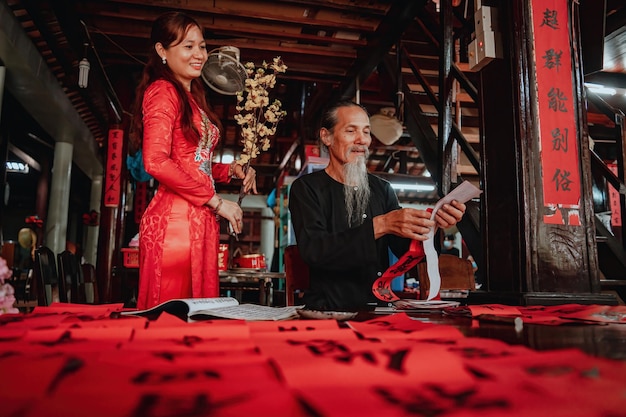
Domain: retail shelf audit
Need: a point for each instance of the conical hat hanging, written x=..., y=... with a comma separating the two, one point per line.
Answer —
x=385, y=126
x=26, y=238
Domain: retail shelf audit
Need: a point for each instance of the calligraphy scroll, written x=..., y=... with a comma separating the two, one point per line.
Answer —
x=141, y=200
x=417, y=251
x=556, y=95
x=614, y=200
x=113, y=172
x=382, y=286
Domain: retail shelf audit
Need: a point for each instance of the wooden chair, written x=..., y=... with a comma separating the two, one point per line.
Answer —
x=71, y=274
x=45, y=279
x=456, y=274
x=296, y=275
x=91, y=285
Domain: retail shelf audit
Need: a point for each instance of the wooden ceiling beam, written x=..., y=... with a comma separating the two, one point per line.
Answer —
x=278, y=46
x=140, y=24
x=365, y=6
x=258, y=11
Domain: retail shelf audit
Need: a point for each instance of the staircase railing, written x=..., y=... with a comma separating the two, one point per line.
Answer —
x=426, y=139
x=611, y=243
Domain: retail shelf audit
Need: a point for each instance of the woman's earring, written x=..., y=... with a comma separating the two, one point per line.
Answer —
x=164, y=60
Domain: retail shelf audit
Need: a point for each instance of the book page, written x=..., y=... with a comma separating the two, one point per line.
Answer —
x=249, y=312
x=183, y=307
x=197, y=304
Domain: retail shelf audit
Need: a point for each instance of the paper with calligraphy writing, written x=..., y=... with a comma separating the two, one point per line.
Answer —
x=556, y=112
x=113, y=171
x=382, y=286
x=395, y=365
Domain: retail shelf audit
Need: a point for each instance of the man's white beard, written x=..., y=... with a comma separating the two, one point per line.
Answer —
x=355, y=175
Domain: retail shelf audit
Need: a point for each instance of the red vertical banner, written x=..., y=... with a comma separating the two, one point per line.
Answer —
x=614, y=200
x=113, y=172
x=141, y=200
x=556, y=96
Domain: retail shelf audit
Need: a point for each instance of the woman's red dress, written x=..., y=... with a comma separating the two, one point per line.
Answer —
x=178, y=234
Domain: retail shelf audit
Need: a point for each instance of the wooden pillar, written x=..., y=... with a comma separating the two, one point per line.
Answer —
x=538, y=228
x=4, y=153
x=59, y=201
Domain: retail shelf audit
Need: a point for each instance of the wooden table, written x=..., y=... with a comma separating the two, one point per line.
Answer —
x=608, y=341
x=240, y=280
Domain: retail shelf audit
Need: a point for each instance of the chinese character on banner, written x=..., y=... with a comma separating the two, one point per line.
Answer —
x=141, y=199
x=113, y=172
x=556, y=101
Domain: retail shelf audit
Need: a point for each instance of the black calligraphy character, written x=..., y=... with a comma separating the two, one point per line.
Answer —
x=550, y=19
x=552, y=59
x=396, y=359
x=556, y=100
x=154, y=377
x=295, y=328
x=320, y=347
x=559, y=140
x=349, y=357
x=188, y=405
x=431, y=400
x=190, y=341
x=561, y=180
x=405, y=265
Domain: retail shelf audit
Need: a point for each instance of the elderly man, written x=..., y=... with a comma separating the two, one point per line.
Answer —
x=346, y=219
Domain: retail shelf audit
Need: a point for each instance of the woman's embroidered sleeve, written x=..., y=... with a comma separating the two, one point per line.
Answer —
x=161, y=117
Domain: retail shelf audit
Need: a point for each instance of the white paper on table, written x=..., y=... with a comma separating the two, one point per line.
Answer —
x=463, y=193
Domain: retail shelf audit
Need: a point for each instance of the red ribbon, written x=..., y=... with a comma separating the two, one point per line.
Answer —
x=34, y=220
x=382, y=286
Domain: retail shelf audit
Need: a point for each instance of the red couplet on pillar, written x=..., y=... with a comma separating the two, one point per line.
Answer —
x=557, y=113
x=113, y=172
x=141, y=200
x=614, y=200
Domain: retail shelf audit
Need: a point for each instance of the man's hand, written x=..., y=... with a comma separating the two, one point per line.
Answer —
x=407, y=222
x=450, y=214
x=415, y=224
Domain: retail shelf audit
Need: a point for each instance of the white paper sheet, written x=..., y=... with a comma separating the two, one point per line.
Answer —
x=463, y=193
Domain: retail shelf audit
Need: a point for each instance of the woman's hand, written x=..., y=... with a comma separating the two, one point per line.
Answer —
x=249, y=177
x=229, y=210
x=232, y=212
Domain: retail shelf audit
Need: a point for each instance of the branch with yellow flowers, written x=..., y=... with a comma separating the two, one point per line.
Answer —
x=256, y=115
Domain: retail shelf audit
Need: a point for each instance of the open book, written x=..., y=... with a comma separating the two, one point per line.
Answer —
x=194, y=309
